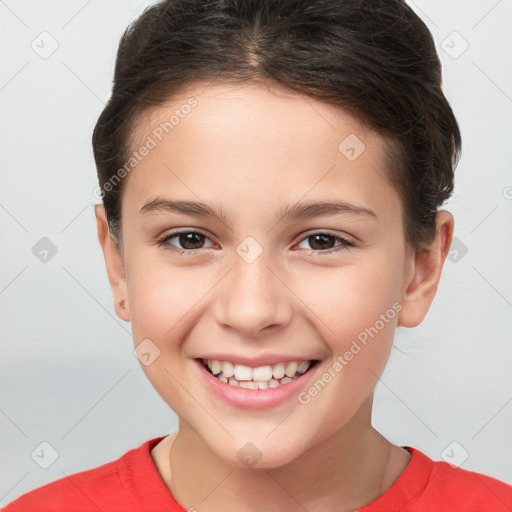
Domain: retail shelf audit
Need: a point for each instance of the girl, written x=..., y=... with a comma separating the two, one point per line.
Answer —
x=271, y=174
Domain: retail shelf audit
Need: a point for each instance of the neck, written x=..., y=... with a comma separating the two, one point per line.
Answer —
x=345, y=471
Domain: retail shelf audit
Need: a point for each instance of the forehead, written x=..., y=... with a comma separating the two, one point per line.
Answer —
x=256, y=142
x=265, y=110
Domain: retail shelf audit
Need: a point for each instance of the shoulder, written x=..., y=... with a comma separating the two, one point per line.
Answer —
x=82, y=491
x=113, y=486
x=453, y=488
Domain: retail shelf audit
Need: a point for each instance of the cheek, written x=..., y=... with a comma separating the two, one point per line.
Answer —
x=161, y=300
x=359, y=301
x=359, y=310
x=161, y=297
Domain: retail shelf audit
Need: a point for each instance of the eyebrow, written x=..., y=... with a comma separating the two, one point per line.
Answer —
x=320, y=209
x=307, y=210
x=184, y=207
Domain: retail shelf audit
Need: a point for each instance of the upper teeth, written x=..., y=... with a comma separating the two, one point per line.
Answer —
x=261, y=373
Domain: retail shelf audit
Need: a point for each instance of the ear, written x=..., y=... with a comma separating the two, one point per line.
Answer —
x=114, y=263
x=425, y=273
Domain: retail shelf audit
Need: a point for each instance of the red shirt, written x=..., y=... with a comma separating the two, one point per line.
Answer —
x=132, y=484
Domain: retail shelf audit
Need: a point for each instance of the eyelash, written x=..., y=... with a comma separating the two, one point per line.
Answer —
x=164, y=242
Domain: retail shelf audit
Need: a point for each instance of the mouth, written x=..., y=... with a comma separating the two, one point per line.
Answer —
x=260, y=377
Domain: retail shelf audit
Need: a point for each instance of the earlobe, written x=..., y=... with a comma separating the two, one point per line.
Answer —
x=114, y=264
x=427, y=265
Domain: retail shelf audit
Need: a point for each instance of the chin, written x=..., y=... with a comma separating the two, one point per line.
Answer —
x=258, y=454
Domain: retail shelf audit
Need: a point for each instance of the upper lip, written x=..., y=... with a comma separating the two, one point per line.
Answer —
x=254, y=362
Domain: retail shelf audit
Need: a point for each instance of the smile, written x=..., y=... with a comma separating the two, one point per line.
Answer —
x=261, y=377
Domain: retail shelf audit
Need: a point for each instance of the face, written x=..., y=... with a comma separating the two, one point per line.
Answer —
x=269, y=279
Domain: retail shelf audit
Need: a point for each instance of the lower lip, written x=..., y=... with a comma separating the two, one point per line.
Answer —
x=255, y=398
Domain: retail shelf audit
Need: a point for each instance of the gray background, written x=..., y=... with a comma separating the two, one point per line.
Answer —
x=68, y=374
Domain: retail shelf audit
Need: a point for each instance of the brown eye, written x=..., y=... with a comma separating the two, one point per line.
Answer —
x=325, y=243
x=190, y=240
x=321, y=242
x=187, y=241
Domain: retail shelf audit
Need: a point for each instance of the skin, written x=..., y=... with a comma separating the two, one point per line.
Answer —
x=252, y=150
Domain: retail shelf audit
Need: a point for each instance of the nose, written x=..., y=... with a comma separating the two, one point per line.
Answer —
x=252, y=298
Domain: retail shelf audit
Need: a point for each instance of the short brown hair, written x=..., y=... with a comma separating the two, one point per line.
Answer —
x=374, y=58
